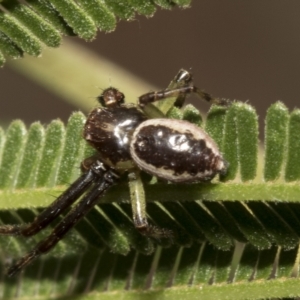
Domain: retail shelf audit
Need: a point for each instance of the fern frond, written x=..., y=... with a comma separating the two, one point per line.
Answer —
x=26, y=27
x=244, y=228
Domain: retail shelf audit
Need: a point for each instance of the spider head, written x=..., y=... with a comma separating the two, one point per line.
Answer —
x=111, y=97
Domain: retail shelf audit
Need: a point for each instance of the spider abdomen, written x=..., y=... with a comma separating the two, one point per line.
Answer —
x=176, y=150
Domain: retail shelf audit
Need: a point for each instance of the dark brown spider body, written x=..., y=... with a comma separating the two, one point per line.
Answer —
x=109, y=131
x=174, y=150
x=127, y=138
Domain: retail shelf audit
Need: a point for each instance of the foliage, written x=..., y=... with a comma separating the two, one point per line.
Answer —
x=27, y=27
x=245, y=228
x=236, y=238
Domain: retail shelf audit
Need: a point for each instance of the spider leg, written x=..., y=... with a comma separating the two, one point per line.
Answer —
x=66, y=199
x=182, y=78
x=138, y=205
x=100, y=186
x=145, y=99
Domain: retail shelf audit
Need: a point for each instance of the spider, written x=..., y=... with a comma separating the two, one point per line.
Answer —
x=129, y=138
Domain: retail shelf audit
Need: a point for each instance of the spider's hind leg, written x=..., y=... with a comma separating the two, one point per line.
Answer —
x=138, y=204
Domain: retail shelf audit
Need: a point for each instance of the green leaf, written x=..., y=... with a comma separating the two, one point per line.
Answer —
x=46, y=10
x=9, y=48
x=73, y=145
x=18, y=35
x=52, y=148
x=31, y=156
x=292, y=171
x=37, y=25
x=25, y=27
x=275, y=141
x=227, y=233
x=13, y=145
x=247, y=131
x=192, y=114
x=215, y=122
x=76, y=18
x=229, y=146
x=103, y=17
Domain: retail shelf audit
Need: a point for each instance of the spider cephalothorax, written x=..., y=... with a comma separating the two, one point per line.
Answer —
x=127, y=139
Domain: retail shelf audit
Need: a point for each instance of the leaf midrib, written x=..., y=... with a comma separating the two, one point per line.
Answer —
x=274, y=192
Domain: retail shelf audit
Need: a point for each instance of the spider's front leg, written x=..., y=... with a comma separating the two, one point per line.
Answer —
x=181, y=86
x=138, y=205
x=182, y=78
x=66, y=199
x=102, y=179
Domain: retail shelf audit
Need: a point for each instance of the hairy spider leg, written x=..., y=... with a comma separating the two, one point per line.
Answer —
x=138, y=206
x=66, y=199
x=145, y=99
x=103, y=179
x=182, y=78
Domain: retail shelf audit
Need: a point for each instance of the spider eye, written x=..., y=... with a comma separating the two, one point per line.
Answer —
x=111, y=97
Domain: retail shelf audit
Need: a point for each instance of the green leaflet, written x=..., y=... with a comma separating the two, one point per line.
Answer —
x=14, y=141
x=27, y=27
x=292, y=171
x=275, y=141
x=225, y=233
x=45, y=32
